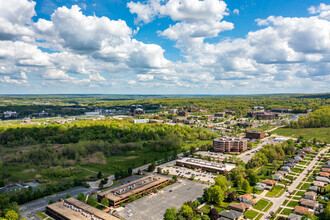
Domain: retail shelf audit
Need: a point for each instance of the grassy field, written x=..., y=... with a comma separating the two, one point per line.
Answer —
x=274, y=191
x=293, y=204
x=250, y=214
x=308, y=133
x=261, y=204
x=286, y=211
x=305, y=186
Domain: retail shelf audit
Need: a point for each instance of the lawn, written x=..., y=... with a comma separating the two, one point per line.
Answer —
x=285, y=202
x=205, y=209
x=275, y=190
x=308, y=133
x=305, y=186
x=302, y=162
x=268, y=207
x=286, y=211
x=41, y=215
x=297, y=198
x=261, y=204
x=259, y=216
x=250, y=214
x=293, y=204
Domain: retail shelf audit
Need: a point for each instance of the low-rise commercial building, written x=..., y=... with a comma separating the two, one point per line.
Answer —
x=73, y=209
x=183, y=113
x=205, y=165
x=122, y=193
x=229, y=145
x=255, y=134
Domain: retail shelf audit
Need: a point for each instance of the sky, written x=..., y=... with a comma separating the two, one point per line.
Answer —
x=164, y=46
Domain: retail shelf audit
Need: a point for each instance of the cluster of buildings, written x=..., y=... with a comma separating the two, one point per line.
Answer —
x=122, y=193
x=205, y=165
x=10, y=114
x=263, y=115
x=71, y=208
x=229, y=144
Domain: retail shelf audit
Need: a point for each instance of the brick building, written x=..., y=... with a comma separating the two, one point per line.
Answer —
x=229, y=145
x=255, y=134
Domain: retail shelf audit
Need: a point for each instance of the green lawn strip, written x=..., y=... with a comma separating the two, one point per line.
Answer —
x=268, y=207
x=286, y=212
x=292, y=204
x=251, y=214
x=285, y=202
x=305, y=186
x=261, y=204
x=297, y=197
x=205, y=209
x=41, y=215
x=309, y=180
x=278, y=210
x=259, y=216
x=275, y=190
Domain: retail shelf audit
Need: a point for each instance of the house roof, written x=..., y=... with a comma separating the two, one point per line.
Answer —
x=308, y=202
x=248, y=197
x=301, y=210
x=293, y=216
x=313, y=188
x=231, y=214
x=325, y=170
x=269, y=182
x=326, y=174
x=310, y=193
x=241, y=205
x=319, y=183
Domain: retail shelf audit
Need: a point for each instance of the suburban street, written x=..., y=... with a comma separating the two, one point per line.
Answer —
x=278, y=201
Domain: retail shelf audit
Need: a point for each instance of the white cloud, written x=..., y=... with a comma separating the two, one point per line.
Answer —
x=145, y=77
x=236, y=11
x=15, y=16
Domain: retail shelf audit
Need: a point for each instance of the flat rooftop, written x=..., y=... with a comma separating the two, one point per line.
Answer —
x=229, y=139
x=70, y=213
x=132, y=188
x=208, y=164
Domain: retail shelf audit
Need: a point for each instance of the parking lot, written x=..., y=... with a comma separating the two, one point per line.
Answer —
x=154, y=206
x=187, y=173
x=216, y=155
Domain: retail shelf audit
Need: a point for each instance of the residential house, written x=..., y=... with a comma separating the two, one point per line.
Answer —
x=286, y=169
x=309, y=203
x=311, y=195
x=297, y=159
x=301, y=152
x=324, y=174
x=262, y=186
x=231, y=215
x=283, y=173
x=293, y=216
x=278, y=176
x=322, y=179
x=241, y=207
x=313, y=188
x=326, y=170
x=247, y=198
x=320, y=184
x=269, y=182
x=303, y=210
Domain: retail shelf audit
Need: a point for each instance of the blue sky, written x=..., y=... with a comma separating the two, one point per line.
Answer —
x=164, y=47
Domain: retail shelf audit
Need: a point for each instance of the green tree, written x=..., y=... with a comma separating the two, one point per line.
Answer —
x=254, y=179
x=222, y=181
x=105, y=202
x=99, y=175
x=51, y=201
x=170, y=214
x=213, y=194
x=81, y=197
x=68, y=196
x=92, y=201
x=205, y=217
x=186, y=211
x=246, y=186
x=308, y=216
x=11, y=215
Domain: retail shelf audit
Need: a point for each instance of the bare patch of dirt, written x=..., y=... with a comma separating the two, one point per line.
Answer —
x=29, y=171
x=97, y=157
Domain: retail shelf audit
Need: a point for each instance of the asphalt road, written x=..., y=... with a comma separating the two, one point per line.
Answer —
x=40, y=204
x=247, y=155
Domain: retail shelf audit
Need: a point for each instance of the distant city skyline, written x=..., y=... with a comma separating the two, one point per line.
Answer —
x=164, y=47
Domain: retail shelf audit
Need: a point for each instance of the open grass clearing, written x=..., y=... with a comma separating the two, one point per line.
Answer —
x=261, y=204
x=307, y=133
x=251, y=214
x=292, y=204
